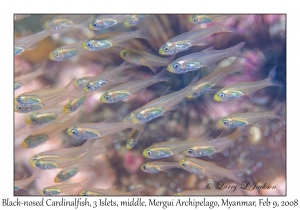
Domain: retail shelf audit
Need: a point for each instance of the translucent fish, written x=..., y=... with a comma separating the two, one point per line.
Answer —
x=195, y=37
x=30, y=108
x=133, y=20
x=44, y=116
x=61, y=188
x=202, y=59
x=124, y=91
x=143, y=58
x=242, y=119
x=67, y=52
x=106, y=21
x=45, y=134
x=97, y=191
x=24, y=79
x=68, y=172
x=117, y=40
x=210, y=169
x=134, y=137
x=23, y=183
x=46, y=97
x=102, y=79
x=61, y=22
x=97, y=130
x=19, y=17
x=206, y=83
x=166, y=149
x=159, y=106
x=82, y=82
x=155, y=167
x=73, y=152
x=207, y=148
x=74, y=103
x=202, y=19
x=246, y=88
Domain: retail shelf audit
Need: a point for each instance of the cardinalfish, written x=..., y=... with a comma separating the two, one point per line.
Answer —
x=106, y=21
x=203, y=19
x=206, y=83
x=74, y=103
x=53, y=26
x=134, y=137
x=109, y=191
x=44, y=116
x=159, y=106
x=242, y=119
x=67, y=52
x=210, y=169
x=82, y=82
x=97, y=130
x=155, y=167
x=167, y=149
x=24, y=79
x=40, y=136
x=102, y=79
x=29, y=108
x=61, y=188
x=46, y=97
x=73, y=152
x=117, y=40
x=208, y=148
x=133, y=20
x=23, y=183
x=124, y=91
x=195, y=37
x=143, y=58
x=246, y=88
x=202, y=59
x=68, y=172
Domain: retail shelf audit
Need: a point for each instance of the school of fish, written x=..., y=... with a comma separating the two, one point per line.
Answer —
x=190, y=69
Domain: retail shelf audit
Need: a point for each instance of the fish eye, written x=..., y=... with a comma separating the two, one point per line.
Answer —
x=74, y=131
x=37, y=164
x=84, y=194
x=106, y=97
x=60, y=176
x=194, y=19
x=88, y=44
x=166, y=49
x=148, y=152
x=222, y=95
x=89, y=87
x=19, y=100
x=190, y=151
x=44, y=191
x=94, y=24
x=56, y=54
x=144, y=167
x=183, y=163
x=131, y=143
x=70, y=107
x=29, y=141
x=131, y=20
x=225, y=122
x=19, y=107
x=194, y=93
x=33, y=119
x=176, y=66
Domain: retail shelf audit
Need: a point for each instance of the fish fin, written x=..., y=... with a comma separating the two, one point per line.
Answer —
x=210, y=156
x=144, y=34
x=260, y=124
x=208, y=49
x=136, y=191
x=251, y=94
x=271, y=78
x=70, y=85
x=276, y=112
x=193, y=81
x=46, y=87
x=171, y=58
x=203, y=42
x=167, y=91
x=154, y=69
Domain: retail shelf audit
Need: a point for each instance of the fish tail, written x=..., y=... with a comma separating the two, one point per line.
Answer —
x=271, y=81
x=276, y=113
x=70, y=86
x=136, y=191
x=162, y=76
x=192, y=82
x=236, y=49
x=144, y=34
